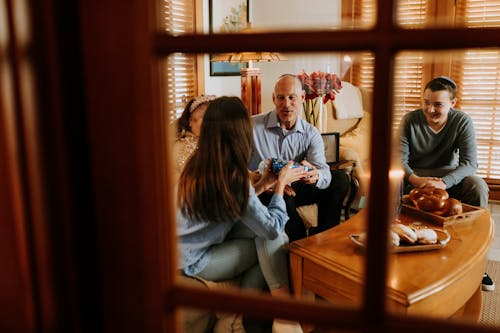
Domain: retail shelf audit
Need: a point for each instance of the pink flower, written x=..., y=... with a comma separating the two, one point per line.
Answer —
x=318, y=84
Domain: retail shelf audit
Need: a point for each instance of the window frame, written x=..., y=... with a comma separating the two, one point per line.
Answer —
x=385, y=40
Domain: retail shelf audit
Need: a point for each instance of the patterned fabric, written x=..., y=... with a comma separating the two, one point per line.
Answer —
x=184, y=147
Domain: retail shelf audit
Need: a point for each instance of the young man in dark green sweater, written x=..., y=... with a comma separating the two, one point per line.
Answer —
x=438, y=148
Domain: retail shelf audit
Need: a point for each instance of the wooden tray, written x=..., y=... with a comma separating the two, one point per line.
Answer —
x=469, y=212
x=443, y=239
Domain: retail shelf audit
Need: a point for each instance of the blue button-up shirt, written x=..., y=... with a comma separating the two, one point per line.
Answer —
x=301, y=142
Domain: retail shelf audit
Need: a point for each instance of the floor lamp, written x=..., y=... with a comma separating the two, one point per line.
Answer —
x=250, y=76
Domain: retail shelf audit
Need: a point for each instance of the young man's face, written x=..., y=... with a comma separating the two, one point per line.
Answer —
x=436, y=106
x=288, y=97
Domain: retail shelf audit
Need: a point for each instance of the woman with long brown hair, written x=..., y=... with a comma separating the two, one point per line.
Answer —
x=224, y=231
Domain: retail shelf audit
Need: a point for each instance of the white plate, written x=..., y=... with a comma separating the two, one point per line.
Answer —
x=443, y=239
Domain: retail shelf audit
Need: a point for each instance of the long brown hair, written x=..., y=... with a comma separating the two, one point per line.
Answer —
x=215, y=180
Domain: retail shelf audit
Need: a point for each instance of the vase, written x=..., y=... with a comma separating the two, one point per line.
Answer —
x=315, y=113
x=309, y=111
x=322, y=115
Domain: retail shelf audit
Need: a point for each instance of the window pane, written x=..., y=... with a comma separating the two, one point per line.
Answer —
x=330, y=121
x=178, y=16
x=282, y=15
x=480, y=79
x=477, y=75
x=412, y=13
x=478, y=13
x=179, y=71
x=475, y=94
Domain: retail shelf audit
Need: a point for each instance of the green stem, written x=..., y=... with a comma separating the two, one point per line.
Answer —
x=313, y=112
x=306, y=111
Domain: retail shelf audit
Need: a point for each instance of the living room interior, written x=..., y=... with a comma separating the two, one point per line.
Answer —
x=92, y=246
x=412, y=70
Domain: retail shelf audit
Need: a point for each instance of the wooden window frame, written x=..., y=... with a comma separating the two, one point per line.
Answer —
x=92, y=215
x=384, y=40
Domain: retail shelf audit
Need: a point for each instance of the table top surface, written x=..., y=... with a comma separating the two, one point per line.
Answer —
x=334, y=250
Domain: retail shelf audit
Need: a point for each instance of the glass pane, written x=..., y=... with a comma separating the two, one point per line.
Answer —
x=417, y=14
x=337, y=113
x=229, y=16
x=302, y=15
x=429, y=137
x=342, y=283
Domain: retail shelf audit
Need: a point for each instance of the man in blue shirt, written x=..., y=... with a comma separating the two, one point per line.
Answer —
x=282, y=134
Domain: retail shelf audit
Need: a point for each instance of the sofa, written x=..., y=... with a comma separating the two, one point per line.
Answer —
x=350, y=115
x=354, y=128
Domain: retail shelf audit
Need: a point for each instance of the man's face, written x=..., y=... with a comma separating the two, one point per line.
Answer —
x=288, y=97
x=436, y=106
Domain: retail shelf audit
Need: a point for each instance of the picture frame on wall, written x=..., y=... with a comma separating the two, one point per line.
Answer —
x=226, y=16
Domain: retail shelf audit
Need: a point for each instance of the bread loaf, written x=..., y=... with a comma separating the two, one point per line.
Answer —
x=405, y=233
x=435, y=201
x=426, y=236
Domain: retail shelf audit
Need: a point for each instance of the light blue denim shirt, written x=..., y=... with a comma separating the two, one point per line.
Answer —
x=196, y=237
x=303, y=141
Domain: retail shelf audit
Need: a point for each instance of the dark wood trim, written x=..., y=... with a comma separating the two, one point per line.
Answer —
x=86, y=174
x=494, y=185
x=128, y=159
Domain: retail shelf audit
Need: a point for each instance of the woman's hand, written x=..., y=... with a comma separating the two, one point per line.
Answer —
x=263, y=182
x=310, y=177
x=287, y=176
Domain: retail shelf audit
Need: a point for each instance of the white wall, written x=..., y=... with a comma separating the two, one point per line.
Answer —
x=295, y=14
x=276, y=15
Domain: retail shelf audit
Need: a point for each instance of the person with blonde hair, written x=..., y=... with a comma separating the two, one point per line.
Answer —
x=224, y=231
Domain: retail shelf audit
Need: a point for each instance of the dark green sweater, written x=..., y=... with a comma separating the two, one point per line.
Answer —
x=450, y=154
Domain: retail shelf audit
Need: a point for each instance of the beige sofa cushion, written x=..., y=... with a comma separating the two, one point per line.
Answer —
x=348, y=102
x=358, y=140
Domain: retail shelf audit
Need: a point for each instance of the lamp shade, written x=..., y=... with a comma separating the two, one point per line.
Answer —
x=248, y=56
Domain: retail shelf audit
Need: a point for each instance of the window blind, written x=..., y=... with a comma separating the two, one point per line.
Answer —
x=478, y=13
x=408, y=70
x=412, y=13
x=477, y=74
x=179, y=18
x=362, y=15
x=368, y=13
x=409, y=66
x=478, y=78
x=408, y=73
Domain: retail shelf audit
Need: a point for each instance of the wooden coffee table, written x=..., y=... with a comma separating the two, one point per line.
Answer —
x=438, y=283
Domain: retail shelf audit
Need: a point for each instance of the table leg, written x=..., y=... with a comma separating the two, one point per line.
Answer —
x=472, y=308
x=296, y=274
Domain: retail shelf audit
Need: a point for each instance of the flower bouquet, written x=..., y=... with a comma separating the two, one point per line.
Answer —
x=319, y=86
